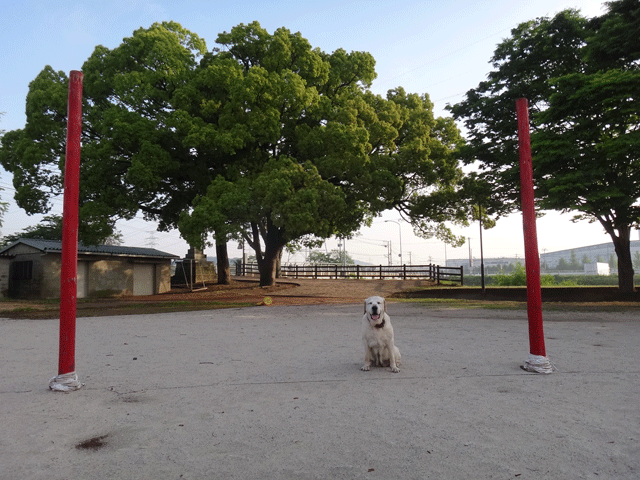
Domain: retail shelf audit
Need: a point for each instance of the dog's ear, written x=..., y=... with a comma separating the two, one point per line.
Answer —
x=384, y=304
x=365, y=306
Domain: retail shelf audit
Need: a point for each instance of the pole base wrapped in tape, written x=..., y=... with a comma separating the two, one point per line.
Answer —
x=65, y=382
x=538, y=364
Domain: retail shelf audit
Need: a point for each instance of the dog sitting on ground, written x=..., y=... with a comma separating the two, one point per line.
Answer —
x=377, y=335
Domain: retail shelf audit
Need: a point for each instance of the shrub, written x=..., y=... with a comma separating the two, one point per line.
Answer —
x=547, y=280
x=518, y=277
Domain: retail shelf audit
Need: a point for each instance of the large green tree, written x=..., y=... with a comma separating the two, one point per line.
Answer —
x=318, y=154
x=262, y=137
x=584, y=117
x=135, y=153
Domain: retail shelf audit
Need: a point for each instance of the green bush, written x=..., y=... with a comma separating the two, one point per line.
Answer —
x=518, y=278
x=514, y=279
x=547, y=280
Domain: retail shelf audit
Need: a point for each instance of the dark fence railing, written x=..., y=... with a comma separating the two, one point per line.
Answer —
x=432, y=272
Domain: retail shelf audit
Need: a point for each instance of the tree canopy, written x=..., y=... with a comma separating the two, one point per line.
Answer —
x=584, y=111
x=316, y=153
x=50, y=228
x=263, y=137
x=133, y=157
x=336, y=256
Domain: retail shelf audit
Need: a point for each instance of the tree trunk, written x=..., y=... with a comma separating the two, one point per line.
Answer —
x=622, y=245
x=279, y=263
x=268, y=268
x=224, y=272
x=268, y=265
x=273, y=245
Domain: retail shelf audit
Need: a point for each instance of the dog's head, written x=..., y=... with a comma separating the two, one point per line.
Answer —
x=374, y=307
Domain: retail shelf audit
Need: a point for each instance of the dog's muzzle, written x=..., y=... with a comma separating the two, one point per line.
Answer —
x=375, y=317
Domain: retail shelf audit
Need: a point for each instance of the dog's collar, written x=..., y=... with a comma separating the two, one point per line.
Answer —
x=380, y=325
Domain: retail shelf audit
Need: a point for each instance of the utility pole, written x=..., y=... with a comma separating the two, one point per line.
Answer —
x=400, y=234
x=344, y=252
x=151, y=240
x=481, y=250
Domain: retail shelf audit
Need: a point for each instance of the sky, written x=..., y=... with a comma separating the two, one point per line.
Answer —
x=441, y=48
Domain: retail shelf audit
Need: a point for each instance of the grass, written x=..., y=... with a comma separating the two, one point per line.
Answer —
x=457, y=303
x=45, y=309
x=23, y=309
x=464, y=303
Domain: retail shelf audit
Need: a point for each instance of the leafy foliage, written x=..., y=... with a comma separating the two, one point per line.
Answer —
x=518, y=277
x=586, y=129
x=315, y=153
x=132, y=153
x=536, y=52
x=50, y=228
x=337, y=256
x=262, y=137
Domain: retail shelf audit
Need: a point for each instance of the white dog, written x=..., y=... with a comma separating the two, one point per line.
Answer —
x=377, y=335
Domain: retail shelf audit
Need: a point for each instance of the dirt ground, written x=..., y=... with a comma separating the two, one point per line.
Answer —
x=246, y=292
x=241, y=292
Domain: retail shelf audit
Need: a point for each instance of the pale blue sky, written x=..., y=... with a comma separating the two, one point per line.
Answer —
x=437, y=47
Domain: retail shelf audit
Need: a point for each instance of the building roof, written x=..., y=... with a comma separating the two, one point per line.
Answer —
x=54, y=246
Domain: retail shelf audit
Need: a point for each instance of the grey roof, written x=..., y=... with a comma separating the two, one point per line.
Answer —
x=49, y=246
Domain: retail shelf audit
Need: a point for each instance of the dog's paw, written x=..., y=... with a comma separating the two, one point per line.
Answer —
x=365, y=368
x=395, y=369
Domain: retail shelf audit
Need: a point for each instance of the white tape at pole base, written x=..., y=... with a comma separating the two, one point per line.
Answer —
x=538, y=364
x=65, y=382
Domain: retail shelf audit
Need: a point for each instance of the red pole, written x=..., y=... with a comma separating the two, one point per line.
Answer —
x=532, y=260
x=68, y=276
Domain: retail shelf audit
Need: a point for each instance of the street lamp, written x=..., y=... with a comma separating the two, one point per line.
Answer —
x=400, y=234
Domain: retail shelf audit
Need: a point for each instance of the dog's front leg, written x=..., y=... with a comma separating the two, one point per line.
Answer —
x=392, y=359
x=367, y=360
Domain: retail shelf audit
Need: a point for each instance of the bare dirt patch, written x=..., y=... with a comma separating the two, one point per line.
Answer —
x=240, y=293
x=243, y=292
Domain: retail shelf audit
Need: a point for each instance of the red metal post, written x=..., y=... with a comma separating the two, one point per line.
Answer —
x=532, y=260
x=69, y=271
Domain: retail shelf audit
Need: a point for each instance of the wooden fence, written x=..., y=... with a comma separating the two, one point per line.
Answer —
x=432, y=272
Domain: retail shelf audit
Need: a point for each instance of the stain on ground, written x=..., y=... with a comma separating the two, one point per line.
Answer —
x=95, y=443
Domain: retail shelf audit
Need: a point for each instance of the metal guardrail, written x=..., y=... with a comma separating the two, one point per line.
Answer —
x=432, y=272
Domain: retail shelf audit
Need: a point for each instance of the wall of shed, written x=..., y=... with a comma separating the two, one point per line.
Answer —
x=163, y=276
x=50, y=267
x=109, y=278
x=4, y=277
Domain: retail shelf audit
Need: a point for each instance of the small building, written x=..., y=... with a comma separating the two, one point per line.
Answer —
x=32, y=270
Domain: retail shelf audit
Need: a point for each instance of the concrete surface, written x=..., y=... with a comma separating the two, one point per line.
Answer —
x=277, y=392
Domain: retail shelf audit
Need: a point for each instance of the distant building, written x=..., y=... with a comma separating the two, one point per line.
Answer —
x=489, y=263
x=601, y=253
x=590, y=255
